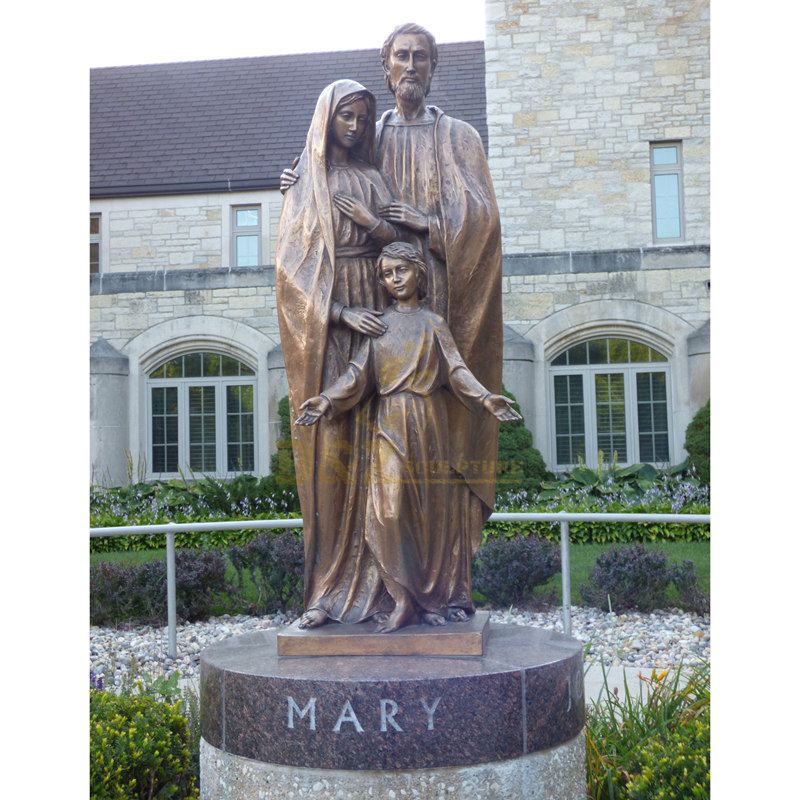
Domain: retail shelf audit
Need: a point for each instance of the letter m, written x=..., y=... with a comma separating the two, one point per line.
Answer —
x=310, y=709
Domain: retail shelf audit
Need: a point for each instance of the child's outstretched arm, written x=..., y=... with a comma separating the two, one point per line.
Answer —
x=501, y=407
x=313, y=409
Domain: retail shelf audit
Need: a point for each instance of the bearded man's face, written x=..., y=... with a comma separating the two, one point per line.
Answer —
x=409, y=67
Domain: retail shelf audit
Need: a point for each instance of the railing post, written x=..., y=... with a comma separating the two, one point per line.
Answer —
x=172, y=634
x=566, y=585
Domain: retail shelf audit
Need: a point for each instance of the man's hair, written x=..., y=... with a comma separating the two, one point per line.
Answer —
x=412, y=28
x=406, y=252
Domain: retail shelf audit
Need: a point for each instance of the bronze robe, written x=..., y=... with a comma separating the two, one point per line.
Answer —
x=325, y=261
x=408, y=515
x=438, y=165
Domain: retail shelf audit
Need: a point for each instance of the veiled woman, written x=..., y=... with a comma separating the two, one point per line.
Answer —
x=329, y=237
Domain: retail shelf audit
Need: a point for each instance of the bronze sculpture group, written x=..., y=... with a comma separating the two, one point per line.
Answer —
x=388, y=290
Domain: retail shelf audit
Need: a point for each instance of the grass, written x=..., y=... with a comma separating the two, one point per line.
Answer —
x=582, y=560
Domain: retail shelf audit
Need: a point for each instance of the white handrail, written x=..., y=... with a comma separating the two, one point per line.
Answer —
x=563, y=518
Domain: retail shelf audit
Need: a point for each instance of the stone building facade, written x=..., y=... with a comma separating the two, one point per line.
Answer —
x=186, y=366
x=581, y=98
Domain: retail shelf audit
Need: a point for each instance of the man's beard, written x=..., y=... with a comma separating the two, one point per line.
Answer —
x=410, y=91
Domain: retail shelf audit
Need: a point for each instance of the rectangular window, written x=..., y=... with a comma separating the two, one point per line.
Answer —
x=246, y=236
x=651, y=406
x=570, y=429
x=609, y=391
x=165, y=428
x=94, y=243
x=666, y=191
x=241, y=430
x=202, y=429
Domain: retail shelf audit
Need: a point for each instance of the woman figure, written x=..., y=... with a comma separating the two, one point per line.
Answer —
x=329, y=237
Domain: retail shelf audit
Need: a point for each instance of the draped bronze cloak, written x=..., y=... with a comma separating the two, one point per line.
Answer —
x=340, y=574
x=465, y=234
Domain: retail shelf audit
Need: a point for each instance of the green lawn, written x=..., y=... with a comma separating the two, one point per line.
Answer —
x=582, y=560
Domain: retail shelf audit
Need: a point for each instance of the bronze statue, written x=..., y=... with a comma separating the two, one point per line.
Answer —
x=440, y=198
x=408, y=504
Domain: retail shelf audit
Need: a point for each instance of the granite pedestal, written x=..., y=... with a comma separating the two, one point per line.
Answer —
x=505, y=724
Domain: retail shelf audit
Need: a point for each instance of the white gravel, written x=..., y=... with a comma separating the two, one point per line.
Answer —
x=662, y=639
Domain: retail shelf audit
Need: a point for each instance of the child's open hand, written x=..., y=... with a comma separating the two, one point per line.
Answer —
x=501, y=407
x=313, y=409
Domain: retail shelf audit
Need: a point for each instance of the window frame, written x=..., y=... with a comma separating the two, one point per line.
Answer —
x=587, y=372
x=246, y=230
x=220, y=419
x=95, y=238
x=667, y=169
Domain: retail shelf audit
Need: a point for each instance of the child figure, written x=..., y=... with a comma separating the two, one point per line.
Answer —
x=409, y=368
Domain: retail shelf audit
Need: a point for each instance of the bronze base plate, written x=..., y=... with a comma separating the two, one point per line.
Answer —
x=335, y=639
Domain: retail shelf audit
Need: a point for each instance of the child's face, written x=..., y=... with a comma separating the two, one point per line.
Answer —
x=350, y=123
x=400, y=278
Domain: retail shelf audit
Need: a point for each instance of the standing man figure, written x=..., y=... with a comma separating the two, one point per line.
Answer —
x=436, y=169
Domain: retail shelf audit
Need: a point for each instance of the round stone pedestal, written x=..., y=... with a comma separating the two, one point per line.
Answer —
x=505, y=724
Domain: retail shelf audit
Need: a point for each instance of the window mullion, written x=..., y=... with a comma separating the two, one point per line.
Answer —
x=631, y=418
x=590, y=416
x=221, y=429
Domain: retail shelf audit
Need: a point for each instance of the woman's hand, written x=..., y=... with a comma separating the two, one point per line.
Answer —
x=404, y=214
x=356, y=210
x=364, y=320
x=501, y=407
x=313, y=409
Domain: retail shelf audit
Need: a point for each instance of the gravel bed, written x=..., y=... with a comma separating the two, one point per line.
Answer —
x=662, y=639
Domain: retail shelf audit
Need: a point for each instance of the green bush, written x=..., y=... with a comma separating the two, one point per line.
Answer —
x=137, y=592
x=635, y=577
x=519, y=464
x=675, y=766
x=281, y=465
x=274, y=563
x=698, y=443
x=505, y=571
x=628, y=733
x=139, y=749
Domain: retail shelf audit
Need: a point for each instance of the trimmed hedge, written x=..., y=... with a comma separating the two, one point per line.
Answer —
x=139, y=749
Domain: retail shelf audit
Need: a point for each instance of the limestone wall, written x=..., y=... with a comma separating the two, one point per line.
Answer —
x=178, y=231
x=576, y=91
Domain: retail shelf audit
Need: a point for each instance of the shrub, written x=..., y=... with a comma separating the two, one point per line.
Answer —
x=138, y=592
x=628, y=733
x=628, y=578
x=274, y=563
x=675, y=766
x=684, y=576
x=506, y=570
x=519, y=464
x=698, y=443
x=281, y=465
x=138, y=749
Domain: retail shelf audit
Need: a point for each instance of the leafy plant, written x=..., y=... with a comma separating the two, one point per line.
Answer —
x=635, y=577
x=506, y=569
x=698, y=442
x=139, y=749
x=675, y=766
x=628, y=578
x=684, y=576
x=519, y=464
x=275, y=565
x=627, y=731
x=138, y=592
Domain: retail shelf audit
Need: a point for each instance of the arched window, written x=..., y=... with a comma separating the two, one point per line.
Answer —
x=202, y=416
x=610, y=395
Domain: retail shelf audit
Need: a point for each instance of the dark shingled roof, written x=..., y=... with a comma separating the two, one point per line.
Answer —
x=234, y=124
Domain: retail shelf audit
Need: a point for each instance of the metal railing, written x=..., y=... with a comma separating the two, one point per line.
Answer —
x=563, y=518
